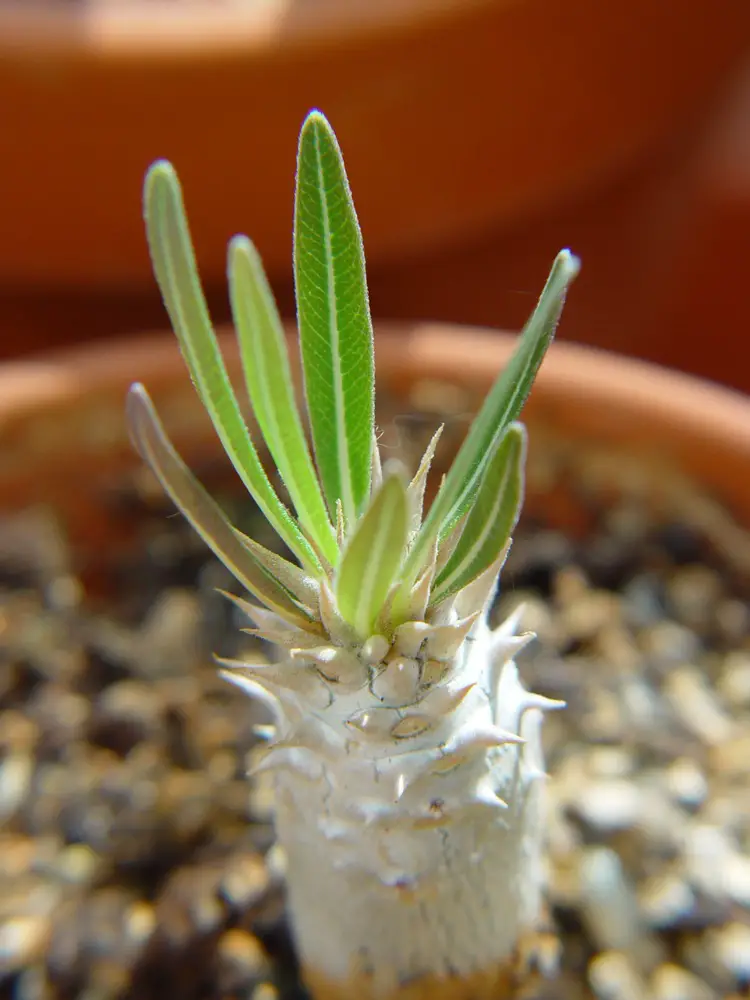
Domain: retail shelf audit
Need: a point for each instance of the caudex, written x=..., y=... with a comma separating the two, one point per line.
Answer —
x=405, y=749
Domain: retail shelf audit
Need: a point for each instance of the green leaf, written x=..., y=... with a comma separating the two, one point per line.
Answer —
x=268, y=377
x=334, y=320
x=372, y=558
x=502, y=406
x=202, y=511
x=177, y=275
x=302, y=587
x=419, y=482
x=491, y=518
x=377, y=468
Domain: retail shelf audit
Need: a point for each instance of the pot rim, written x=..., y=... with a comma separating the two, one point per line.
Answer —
x=438, y=351
x=584, y=391
x=65, y=445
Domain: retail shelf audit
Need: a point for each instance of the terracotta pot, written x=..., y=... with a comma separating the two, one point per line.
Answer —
x=64, y=440
x=701, y=309
x=456, y=116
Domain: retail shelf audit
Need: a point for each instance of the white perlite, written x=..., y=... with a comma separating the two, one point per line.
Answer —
x=408, y=790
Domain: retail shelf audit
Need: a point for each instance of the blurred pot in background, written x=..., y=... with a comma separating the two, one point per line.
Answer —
x=702, y=312
x=480, y=136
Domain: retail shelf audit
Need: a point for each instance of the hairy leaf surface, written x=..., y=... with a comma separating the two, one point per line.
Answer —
x=491, y=519
x=202, y=511
x=372, y=558
x=334, y=320
x=176, y=272
x=268, y=377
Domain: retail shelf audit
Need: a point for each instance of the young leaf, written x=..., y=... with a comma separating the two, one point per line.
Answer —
x=491, y=519
x=419, y=482
x=500, y=408
x=334, y=320
x=202, y=511
x=177, y=275
x=377, y=469
x=271, y=391
x=372, y=558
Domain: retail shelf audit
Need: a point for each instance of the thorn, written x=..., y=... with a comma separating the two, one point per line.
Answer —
x=510, y=625
x=276, y=677
x=444, y=641
x=240, y=603
x=544, y=704
x=489, y=797
x=441, y=702
x=409, y=637
x=254, y=690
x=507, y=647
x=484, y=737
x=283, y=640
x=287, y=758
x=535, y=774
x=334, y=663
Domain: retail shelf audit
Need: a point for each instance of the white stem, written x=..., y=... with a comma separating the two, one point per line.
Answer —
x=422, y=859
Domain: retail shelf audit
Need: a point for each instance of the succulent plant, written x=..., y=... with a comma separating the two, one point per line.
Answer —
x=405, y=749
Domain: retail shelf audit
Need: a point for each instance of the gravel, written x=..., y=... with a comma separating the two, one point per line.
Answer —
x=136, y=860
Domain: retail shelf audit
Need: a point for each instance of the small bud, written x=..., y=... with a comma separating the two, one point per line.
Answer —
x=375, y=649
x=398, y=682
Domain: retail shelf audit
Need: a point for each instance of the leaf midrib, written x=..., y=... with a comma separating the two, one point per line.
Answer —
x=347, y=499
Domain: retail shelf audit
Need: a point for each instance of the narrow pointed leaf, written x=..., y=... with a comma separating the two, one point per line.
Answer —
x=176, y=272
x=334, y=320
x=419, y=598
x=271, y=390
x=491, y=519
x=502, y=406
x=301, y=585
x=377, y=468
x=448, y=544
x=419, y=482
x=340, y=524
x=371, y=560
x=202, y=511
